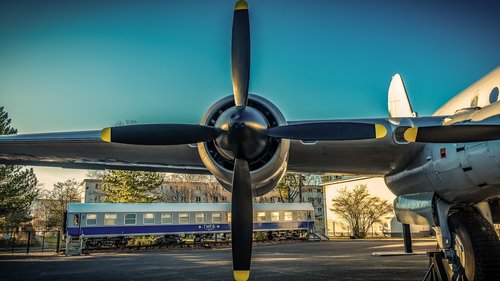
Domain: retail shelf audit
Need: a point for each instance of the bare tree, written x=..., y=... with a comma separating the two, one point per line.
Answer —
x=359, y=209
x=291, y=186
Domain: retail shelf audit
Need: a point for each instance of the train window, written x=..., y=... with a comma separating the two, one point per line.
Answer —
x=166, y=218
x=261, y=216
x=91, y=219
x=149, y=218
x=288, y=216
x=76, y=219
x=275, y=216
x=301, y=215
x=216, y=217
x=200, y=217
x=229, y=217
x=109, y=219
x=130, y=218
x=184, y=218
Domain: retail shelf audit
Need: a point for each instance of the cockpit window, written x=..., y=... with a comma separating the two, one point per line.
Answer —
x=473, y=103
x=494, y=95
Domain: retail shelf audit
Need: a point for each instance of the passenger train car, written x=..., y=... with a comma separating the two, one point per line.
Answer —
x=92, y=220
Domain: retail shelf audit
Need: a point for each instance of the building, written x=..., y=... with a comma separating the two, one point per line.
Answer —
x=334, y=225
x=92, y=191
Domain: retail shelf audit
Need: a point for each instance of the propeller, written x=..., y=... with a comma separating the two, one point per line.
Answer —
x=241, y=133
x=159, y=134
x=328, y=131
x=452, y=133
x=242, y=220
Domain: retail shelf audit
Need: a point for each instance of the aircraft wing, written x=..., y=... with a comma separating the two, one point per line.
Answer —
x=86, y=150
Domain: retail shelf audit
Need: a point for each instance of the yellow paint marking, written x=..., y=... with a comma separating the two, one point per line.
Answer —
x=106, y=134
x=241, y=275
x=411, y=134
x=380, y=131
x=241, y=5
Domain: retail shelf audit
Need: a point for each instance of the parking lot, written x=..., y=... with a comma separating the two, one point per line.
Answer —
x=330, y=260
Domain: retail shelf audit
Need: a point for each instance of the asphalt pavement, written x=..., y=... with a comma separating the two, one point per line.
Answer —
x=327, y=260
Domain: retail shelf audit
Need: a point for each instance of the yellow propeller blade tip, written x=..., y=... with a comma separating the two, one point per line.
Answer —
x=410, y=134
x=380, y=131
x=241, y=5
x=106, y=134
x=241, y=275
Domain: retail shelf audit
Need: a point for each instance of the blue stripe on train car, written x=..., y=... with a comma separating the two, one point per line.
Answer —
x=155, y=229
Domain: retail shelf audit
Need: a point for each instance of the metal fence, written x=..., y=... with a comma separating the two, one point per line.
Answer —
x=31, y=241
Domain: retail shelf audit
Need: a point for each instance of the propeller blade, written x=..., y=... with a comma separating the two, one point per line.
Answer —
x=242, y=220
x=328, y=131
x=159, y=134
x=453, y=133
x=241, y=53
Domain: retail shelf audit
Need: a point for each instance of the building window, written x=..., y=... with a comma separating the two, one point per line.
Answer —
x=310, y=199
x=130, y=218
x=224, y=199
x=288, y=216
x=216, y=217
x=275, y=216
x=109, y=219
x=319, y=190
x=166, y=218
x=200, y=217
x=149, y=218
x=91, y=219
x=320, y=210
x=261, y=216
x=96, y=186
x=319, y=200
x=184, y=218
x=198, y=199
x=216, y=199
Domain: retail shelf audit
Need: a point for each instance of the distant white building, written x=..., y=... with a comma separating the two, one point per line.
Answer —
x=334, y=225
x=92, y=191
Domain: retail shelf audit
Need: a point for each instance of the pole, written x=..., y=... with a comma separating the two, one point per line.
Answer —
x=407, y=238
x=29, y=242
x=43, y=240
x=58, y=241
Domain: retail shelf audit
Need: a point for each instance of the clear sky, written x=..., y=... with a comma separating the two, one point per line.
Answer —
x=74, y=65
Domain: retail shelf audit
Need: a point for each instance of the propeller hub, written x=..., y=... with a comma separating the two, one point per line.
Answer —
x=242, y=133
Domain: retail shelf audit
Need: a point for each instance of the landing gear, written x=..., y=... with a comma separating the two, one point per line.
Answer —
x=476, y=248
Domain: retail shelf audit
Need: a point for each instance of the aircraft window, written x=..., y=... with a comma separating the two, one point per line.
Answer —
x=216, y=217
x=288, y=216
x=494, y=95
x=275, y=216
x=76, y=219
x=91, y=219
x=149, y=218
x=109, y=219
x=130, y=218
x=261, y=216
x=229, y=217
x=200, y=217
x=473, y=102
x=166, y=218
x=183, y=218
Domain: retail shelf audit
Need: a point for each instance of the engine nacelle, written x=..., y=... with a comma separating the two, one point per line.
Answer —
x=266, y=170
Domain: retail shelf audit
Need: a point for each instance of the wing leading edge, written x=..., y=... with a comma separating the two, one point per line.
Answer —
x=86, y=150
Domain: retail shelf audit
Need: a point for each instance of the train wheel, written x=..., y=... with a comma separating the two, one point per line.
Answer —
x=477, y=248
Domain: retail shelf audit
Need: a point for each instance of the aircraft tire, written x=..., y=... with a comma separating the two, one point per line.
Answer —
x=477, y=247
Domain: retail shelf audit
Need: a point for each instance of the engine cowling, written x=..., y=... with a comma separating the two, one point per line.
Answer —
x=267, y=168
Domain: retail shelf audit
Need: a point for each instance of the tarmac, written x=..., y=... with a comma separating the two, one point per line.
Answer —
x=326, y=260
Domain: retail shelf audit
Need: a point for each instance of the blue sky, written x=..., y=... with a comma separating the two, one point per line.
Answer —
x=74, y=65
